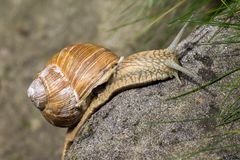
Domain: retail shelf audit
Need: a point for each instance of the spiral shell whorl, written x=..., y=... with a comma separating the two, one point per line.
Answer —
x=57, y=100
x=37, y=93
x=68, y=80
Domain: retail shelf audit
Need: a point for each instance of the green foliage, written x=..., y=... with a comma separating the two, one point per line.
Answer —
x=204, y=85
x=167, y=15
x=156, y=13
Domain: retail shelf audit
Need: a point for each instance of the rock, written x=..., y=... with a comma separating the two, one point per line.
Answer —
x=31, y=32
x=141, y=124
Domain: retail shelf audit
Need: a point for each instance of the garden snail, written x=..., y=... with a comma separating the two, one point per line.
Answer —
x=82, y=77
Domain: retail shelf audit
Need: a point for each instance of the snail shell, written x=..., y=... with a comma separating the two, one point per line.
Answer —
x=62, y=91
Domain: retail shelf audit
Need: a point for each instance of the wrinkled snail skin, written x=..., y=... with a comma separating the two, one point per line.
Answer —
x=137, y=70
x=67, y=91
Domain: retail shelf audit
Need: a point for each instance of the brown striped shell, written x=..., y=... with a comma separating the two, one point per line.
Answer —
x=62, y=91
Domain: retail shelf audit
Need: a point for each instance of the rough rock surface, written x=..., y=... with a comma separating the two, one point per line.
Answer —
x=31, y=31
x=141, y=124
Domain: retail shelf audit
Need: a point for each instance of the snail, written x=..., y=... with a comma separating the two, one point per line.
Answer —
x=81, y=78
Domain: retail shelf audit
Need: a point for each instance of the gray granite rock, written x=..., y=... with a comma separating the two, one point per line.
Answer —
x=141, y=124
x=31, y=32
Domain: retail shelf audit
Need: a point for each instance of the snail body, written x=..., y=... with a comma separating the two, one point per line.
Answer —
x=81, y=78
